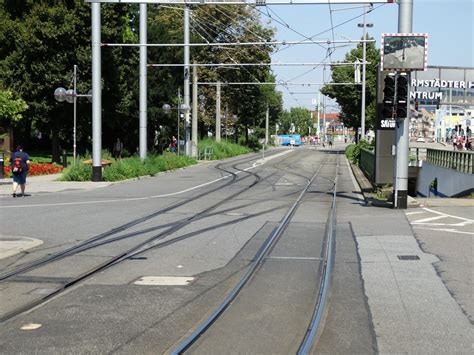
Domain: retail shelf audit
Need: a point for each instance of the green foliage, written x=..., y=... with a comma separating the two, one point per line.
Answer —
x=223, y=149
x=129, y=168
x=298, y=116
x=349, y=96
x=350, y=151
x=11, y=109
x=79, y=172
x=42, y=40
x=363, y=144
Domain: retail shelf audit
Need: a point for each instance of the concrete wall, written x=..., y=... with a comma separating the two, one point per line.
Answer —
x=450, y=181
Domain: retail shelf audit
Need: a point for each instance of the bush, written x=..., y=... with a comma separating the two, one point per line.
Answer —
x=223, y=149
x=350, y=151
x=79, y=172
x=363, y=144
x=129, y=168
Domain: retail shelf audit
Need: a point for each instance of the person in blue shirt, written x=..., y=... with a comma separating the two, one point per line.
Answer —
x=20, y=179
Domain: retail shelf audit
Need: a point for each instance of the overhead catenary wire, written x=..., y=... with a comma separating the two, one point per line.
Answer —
x=250, y=64
x=333, y=27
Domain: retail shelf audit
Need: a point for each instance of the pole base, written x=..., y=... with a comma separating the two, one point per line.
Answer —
x=402, y=200
x=96, y=173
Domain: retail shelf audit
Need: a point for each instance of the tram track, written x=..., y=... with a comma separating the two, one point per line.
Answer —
x=326, y=266
x=111, y=237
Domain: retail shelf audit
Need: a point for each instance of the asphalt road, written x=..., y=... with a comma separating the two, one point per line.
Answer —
x=379, y=302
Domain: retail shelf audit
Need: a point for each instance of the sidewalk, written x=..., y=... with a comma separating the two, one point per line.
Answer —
x=49, y=184
x=371, y=198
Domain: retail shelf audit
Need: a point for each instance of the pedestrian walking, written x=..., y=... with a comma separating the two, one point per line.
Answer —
x=173, y=144
x=118, y=148
x=20, y=163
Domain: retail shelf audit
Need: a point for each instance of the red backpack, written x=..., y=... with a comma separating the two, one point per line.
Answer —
x=17, y=166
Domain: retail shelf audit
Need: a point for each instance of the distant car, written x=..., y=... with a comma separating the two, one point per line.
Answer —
x=420, y=140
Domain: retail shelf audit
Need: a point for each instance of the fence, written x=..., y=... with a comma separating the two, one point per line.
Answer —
x=460, y=161
x=367, y=163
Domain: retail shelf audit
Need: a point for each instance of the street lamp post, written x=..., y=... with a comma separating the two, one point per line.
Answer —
x=364, y=50
x=71, y=95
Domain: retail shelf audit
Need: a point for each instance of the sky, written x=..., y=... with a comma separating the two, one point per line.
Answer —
x=449, y=24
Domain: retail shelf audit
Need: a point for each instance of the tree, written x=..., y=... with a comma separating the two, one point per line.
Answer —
x=42, y=40
x=298, y=118
x=11, y=109
x=349, y=98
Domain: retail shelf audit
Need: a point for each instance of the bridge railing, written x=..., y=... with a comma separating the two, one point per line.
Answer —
x=462, y=161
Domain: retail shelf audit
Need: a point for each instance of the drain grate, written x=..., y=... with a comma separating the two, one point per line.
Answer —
x=408, y=257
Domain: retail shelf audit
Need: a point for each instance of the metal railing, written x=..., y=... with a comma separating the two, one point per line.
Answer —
x=417, y=154
x=367, y=163
x=457, y=160
x=206, y=153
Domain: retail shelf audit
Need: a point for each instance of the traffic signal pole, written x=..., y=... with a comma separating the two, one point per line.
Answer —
x=400, y=198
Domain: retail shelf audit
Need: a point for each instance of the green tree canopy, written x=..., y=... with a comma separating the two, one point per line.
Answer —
x=349, y=97
x=11, y=109
x=297, y=117
x=42, y=40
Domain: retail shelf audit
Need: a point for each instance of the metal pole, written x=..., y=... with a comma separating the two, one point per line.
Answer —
x=96, y=95
x=405, y=21
x=143, y=82
x=362, y=115
x=324, y=118
x=75, y=117
x=187, y=127
x=194, y=125
x=218, y=112
x=267, y=119
x=226, y=118
x=319, y=115
x=179, y=117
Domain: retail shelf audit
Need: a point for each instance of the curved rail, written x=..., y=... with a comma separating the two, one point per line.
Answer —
x=137, y=249
x=261, y=254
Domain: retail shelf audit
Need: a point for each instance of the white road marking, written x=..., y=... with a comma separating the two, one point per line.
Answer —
x=429, y=219
x=444, y=214
x=445, y=230
x=410, y=213
x=147, y=197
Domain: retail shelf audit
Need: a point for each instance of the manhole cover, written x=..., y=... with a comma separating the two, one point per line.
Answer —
x=408, y=257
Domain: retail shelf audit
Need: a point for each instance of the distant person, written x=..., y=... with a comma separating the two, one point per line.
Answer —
x=118, y=148
x=173, y=144
x=469, y=143
x=20, y=163
x=455, y=142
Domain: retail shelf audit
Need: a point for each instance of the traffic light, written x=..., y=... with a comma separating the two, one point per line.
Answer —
x=388, y=96
x=402, y=95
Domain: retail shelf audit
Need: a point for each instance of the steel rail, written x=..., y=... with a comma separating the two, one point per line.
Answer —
x=324, y=286
x=140, y=248
x=80, y=246
x=262, y=252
